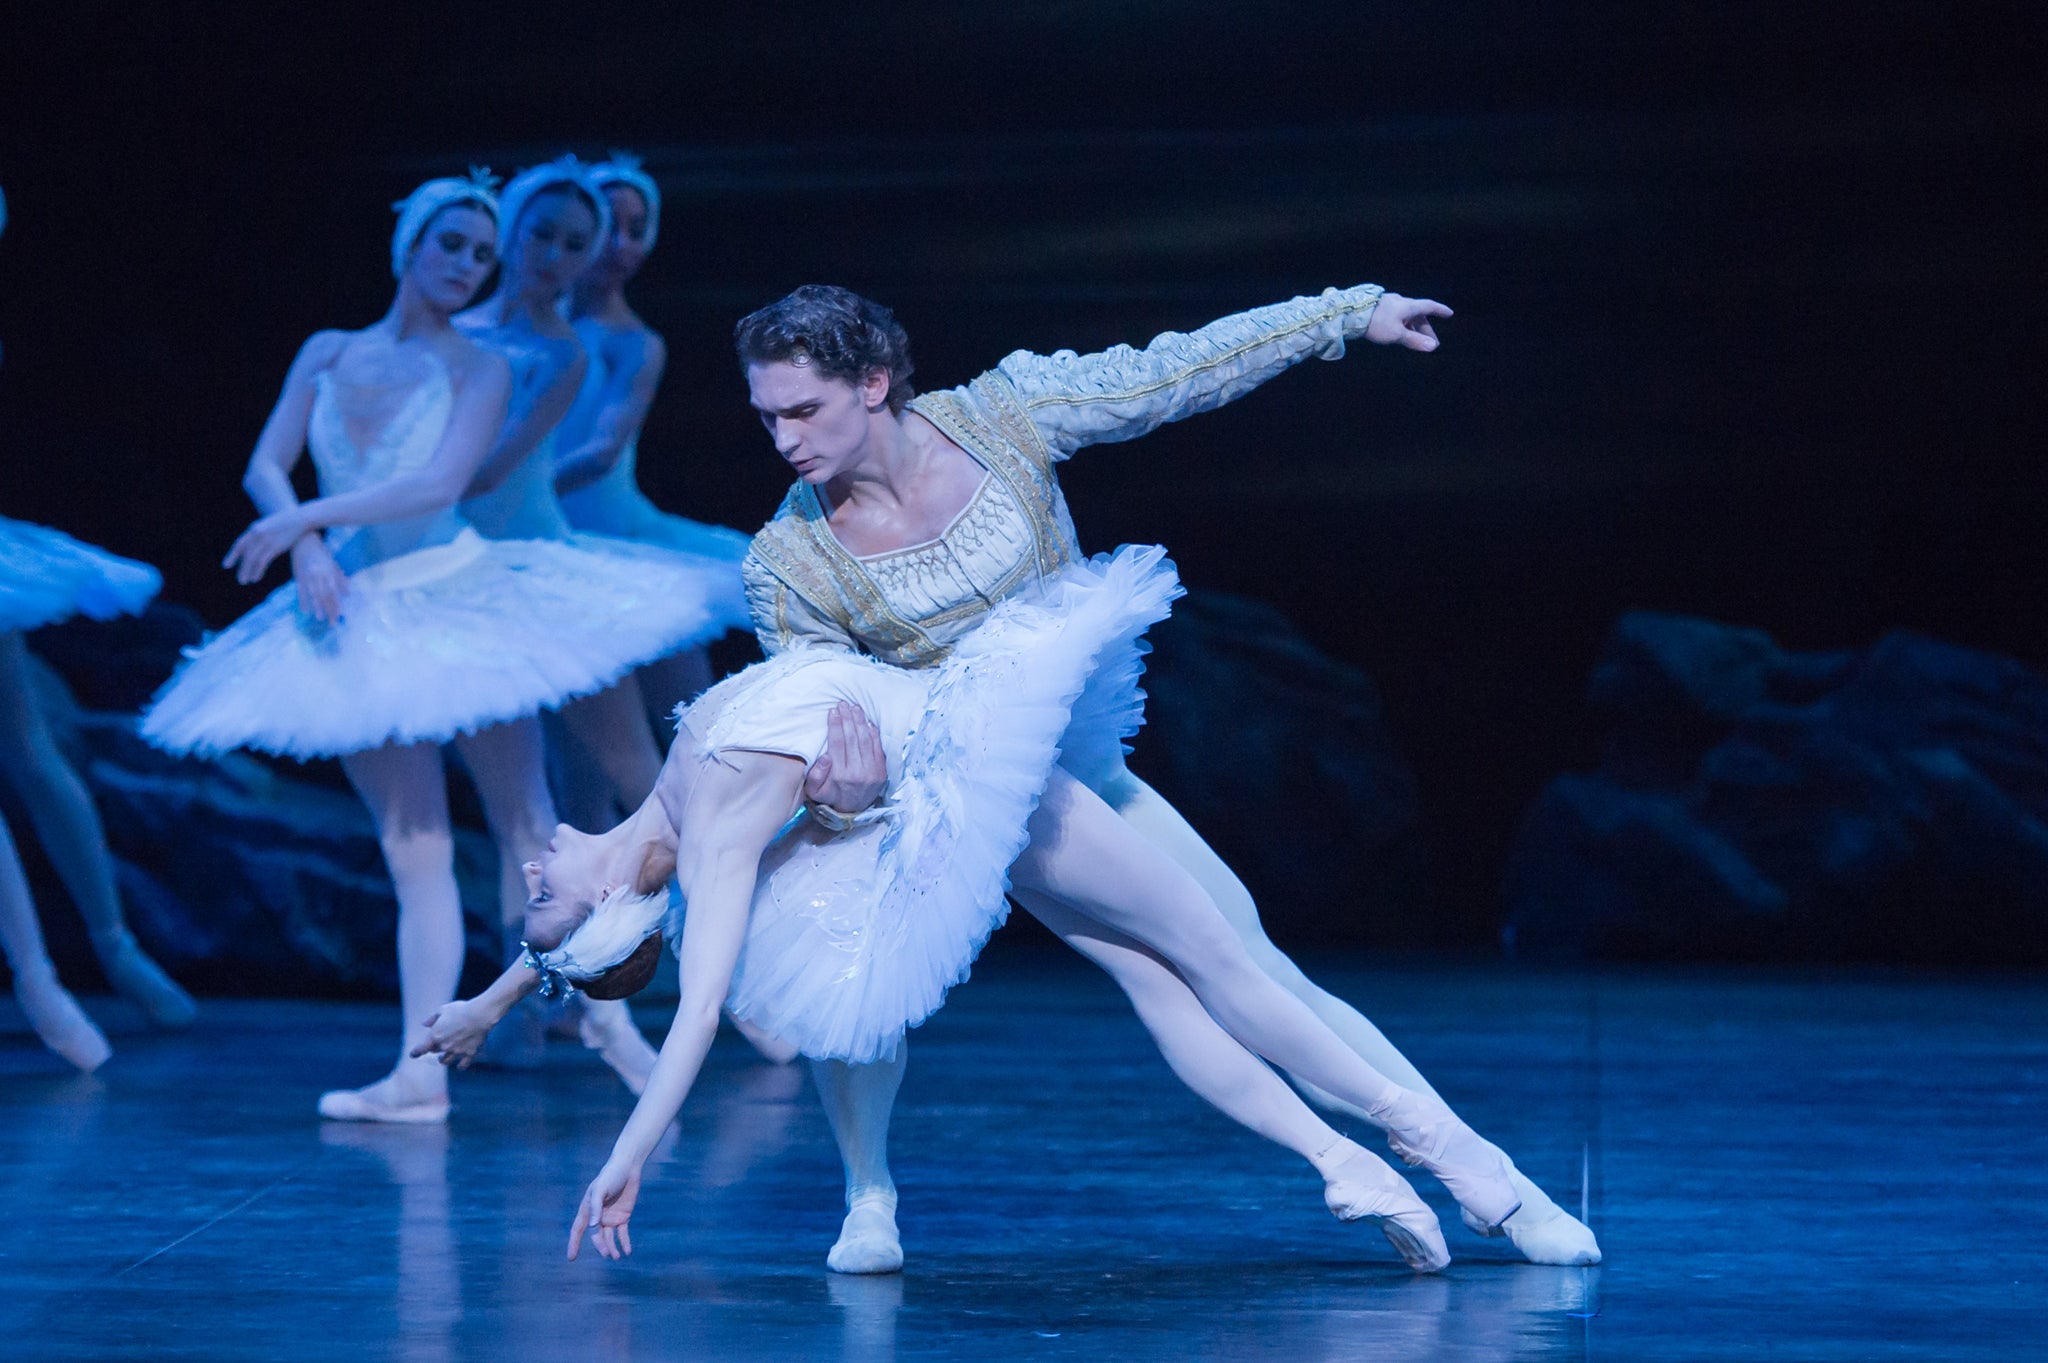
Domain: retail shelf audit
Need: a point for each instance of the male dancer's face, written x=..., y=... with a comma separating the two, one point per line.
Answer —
x=819, y=424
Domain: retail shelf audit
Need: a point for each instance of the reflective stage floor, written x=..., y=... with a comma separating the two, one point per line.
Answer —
x=1778, y=1166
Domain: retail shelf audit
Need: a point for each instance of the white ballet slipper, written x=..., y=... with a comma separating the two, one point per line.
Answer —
x=868, y=1242
x=607, y=1027
x=59, y=1021
x=375, y=1103
x=1554, y=1237
x=1360, y=1186
x=1430, y=1136
x=138, y=978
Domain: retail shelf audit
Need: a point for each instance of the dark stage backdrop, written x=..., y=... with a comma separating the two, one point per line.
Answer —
x=1748, y=295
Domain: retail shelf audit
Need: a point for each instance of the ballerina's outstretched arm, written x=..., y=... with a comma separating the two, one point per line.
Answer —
x=735, y=809
x=629, y=389
x=479, y=411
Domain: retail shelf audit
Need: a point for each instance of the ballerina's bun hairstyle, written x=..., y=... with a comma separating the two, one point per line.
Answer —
x=624, y=169
x=417, y=210
x=629, y=976
x=843, y=334
x=565, y=173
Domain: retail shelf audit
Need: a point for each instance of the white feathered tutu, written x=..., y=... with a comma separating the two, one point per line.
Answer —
x=431, y=644
x=47, y=576
x=856, y=936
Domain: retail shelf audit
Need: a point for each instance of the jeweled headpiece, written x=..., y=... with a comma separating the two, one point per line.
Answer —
x=418, y=208
x=549, y=175
x=624, y=169
x=622, y=920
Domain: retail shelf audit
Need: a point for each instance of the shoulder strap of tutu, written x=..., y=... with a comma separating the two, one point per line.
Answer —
x=989, y=421
x=800, y=549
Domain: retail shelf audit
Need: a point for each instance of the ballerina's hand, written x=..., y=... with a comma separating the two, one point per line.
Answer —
x=456, y=1032
x=851, y=773
x=263, y=543
x=322, y=584
x=607, y=1207
x=1405, y=321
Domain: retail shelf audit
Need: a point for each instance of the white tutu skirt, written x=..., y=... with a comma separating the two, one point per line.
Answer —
x=47, y=576
x=854, y=937
x=431, y=644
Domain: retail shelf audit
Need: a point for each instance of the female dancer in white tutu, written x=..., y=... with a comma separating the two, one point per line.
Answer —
x=596, y=465
x=910, y=516
x=555, y=220
x=405, y=629
x=46, y=576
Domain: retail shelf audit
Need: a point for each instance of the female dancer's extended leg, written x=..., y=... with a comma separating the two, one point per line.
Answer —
x=1085, y=857
x=1543, y=1231
x=51, y=1010
x=68, y=825
x=406, y=789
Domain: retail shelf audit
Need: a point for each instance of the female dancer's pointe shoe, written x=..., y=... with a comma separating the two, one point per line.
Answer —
x=1360, y=1186
x=135, y=976
x=59, y=1021
x=868, y=1242
x=607, y=1027
x=1428, y=1135
x=1553, y=1237
x=382, y=1101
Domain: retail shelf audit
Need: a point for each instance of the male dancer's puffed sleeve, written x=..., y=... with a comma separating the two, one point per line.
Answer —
x=1122, y=393
x=782, y=619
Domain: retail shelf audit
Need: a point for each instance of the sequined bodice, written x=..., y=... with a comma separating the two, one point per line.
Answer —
x=947, y=584
x=363, y=435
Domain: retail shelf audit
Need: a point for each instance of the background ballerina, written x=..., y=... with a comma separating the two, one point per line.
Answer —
x=404, y=629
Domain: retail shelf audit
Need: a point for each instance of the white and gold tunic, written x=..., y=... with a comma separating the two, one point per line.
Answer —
x=909, y=606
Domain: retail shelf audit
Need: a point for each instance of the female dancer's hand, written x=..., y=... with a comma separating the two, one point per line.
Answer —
x=264, y=542
x=456, y=1032
x=322, y=583
x=1405, y=321
x=607, y=1207
x=851, y=773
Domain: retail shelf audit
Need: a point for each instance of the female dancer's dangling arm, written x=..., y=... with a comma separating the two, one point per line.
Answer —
x=736, y=807
x=1123, y=392
x=517, y=439
x=479, y=411
x=268, y=479
x=628, y=392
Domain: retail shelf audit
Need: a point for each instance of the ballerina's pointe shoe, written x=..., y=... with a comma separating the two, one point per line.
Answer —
x=138, y=978
x=607, y=1027
x=59, y=1021
x=1428, y=1135
x=868, y=1242
x=1360, y=1186
x=1543, y=1232
x=382, y=1102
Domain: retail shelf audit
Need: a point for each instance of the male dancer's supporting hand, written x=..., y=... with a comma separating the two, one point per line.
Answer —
x=852, y=774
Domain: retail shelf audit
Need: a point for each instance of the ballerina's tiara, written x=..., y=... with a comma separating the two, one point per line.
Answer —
x=564, y=170
x=624, y=168
x=418, y=208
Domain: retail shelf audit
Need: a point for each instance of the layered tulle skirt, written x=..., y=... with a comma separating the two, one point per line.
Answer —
x=431, y=644
x=855, y=936
x=47, y=576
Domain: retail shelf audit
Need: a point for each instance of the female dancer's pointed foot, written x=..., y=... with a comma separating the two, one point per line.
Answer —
x=390, y=1099
x=1543, y=1232
x=138, y=978
x=1360, y=1186
x=868, y=1242
x=59, y=1021
x=1428, y=1135
x=607, y=1027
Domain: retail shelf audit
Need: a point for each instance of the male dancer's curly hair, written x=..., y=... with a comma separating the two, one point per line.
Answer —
x=845, y=335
